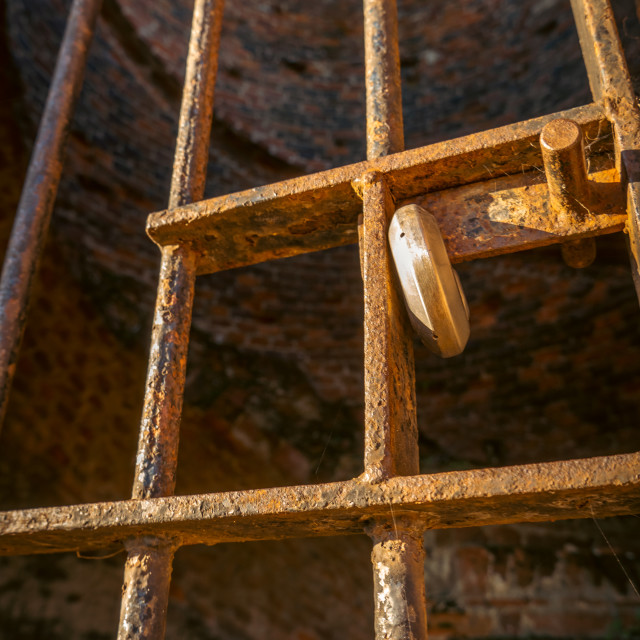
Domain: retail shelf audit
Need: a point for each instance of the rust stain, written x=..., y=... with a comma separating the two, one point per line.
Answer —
x=595, y=487
x=611, y=86
x=148, y=567
x=330, y=202
x=488, y=198
x=145, y=593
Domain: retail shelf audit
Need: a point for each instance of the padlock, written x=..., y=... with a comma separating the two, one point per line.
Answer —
x=432, y=291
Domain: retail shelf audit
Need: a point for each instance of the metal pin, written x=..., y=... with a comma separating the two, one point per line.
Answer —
x=562, y=145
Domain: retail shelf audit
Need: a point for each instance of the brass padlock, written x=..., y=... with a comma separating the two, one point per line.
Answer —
x=433, y=295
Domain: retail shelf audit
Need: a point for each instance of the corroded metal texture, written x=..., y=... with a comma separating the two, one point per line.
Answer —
x=321, y=210
x=385, y=132
x=489, y=197
x=513, y=213
x=145, y=593
x=155, y=473
x=595, y=487
x=565, y=166
x=159, y=428
x=148, y=569
x=398, y=581
x=194, y=130
x=40, y=187
x=390, y=422
x=391, y=431
x=611, y=86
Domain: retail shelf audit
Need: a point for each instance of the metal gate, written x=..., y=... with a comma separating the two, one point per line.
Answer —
x=390, y=501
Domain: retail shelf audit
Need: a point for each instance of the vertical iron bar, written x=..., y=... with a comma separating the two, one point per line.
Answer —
x=31, y=223
x=390, y=422
x=385, y=133
x=196, y=112
x=398, y=570
x=155, y=474
x=391, y=433
x=147, y=577
x=149, y=562
x=611, y=85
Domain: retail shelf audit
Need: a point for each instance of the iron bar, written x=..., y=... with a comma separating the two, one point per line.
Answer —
x=194, y=129
x=565, y=166
x=399, y=592
x=391, y=430
x=513, y=213
x=390, y=423
x=598, y=487
x=611, y=86
x=579, y=253
x=319, y=211
x=385, y=133
x=32, y=219
x=157, y=458
x=149, y=562
x=147, y=577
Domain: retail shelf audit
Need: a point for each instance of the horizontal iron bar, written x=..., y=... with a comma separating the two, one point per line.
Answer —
x=594, y=487
x=320, y=210
x=514, y=213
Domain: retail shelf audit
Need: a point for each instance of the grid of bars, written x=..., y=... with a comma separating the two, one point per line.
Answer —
x=390, y=501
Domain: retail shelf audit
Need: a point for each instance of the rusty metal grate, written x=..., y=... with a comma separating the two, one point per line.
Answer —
x=391, y=501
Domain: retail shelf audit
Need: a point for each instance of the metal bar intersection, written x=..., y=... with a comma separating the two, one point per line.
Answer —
x=488, y=199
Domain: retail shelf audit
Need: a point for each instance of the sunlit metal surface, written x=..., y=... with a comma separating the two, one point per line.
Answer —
x=432, y=291
x=488, y=195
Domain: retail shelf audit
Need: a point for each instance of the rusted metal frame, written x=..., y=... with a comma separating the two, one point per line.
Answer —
x=399, y=589
x=319, y=211
x=599, y=487
x=149, y=560
x=159, y=428
x=31, y=223
x=513, y=213
x=611, y=86
x=391, y=430
x=385, y=131
x=147, y=578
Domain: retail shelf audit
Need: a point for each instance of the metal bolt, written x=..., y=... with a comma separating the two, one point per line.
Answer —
x=562, y=145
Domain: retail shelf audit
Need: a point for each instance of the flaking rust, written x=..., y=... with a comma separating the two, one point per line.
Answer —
x=148, y=568
x=256, y=225
x=391, y=431
x=595, y=487
x=497, y=214
x=611, y=86
x=398, y=558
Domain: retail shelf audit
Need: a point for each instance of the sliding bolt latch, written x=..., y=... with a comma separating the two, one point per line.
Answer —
x=433, y=295
x=565, y=166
